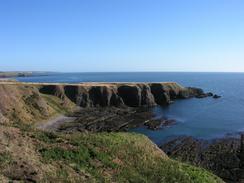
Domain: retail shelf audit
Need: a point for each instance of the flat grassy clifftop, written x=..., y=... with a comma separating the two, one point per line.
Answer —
x=34, y=156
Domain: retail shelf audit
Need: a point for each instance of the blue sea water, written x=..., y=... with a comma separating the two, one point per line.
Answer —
x=202, y=118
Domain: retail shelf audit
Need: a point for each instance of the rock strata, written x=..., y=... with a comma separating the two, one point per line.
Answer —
x=106, y=119
x=121, y=94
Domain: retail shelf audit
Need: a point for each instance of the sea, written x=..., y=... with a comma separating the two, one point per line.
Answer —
x=206, y=118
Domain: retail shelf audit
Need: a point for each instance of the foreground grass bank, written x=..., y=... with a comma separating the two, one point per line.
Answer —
x=34, y=156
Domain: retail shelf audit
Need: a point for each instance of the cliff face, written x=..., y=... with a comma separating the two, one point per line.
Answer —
x=26, y=102
x=118, y=94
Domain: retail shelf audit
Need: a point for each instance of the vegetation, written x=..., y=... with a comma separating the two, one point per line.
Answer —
x=91, y=157
x=122, y=157
x=58, y=105
x=5, y=159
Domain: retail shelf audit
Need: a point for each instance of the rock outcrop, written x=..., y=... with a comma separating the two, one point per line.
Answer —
x=120, y=94
x=216, y=96
x=224, y=157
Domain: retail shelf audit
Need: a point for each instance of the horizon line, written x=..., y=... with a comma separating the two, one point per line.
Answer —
x=35, y=71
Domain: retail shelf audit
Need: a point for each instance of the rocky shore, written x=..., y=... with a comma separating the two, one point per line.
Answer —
x=108, y=119
x=224, y=156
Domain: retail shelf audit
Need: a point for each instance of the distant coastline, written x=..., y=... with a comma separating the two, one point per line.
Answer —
x=14, y=74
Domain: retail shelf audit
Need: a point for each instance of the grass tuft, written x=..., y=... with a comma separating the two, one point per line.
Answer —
x=5, y=159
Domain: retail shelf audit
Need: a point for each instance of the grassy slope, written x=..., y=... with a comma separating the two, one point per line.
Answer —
x=86, y=157
x=24, y=104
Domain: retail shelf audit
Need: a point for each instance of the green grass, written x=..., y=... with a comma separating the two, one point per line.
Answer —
x=47, y=137
x=56, y=104
x=120, y=157
x=5, y=159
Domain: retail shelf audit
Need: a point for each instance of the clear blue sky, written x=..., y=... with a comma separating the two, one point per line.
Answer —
x=122, y=35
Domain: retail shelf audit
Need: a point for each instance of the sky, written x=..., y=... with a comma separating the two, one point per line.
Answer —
x=122, y=35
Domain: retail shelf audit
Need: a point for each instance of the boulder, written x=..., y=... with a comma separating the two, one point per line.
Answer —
x=156, y=124
x=210, y=94
x=216, y=96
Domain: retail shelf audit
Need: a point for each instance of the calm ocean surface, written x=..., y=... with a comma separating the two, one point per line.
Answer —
x=201, y=118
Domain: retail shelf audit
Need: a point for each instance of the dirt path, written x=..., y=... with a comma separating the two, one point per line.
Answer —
x=54, y=123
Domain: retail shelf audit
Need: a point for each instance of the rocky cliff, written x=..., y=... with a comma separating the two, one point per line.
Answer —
x=119, y=94
x=33, y=101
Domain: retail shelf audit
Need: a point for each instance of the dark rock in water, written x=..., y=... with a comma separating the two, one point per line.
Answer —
x=156, y=124
x=185, y=94
x=216, y=96
x=171, y=102
x=168, y=122
x=210, y=94
x=195, y=91
x=198, y=93
x=223, y=156
x=202, y=96
x=153, y=124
